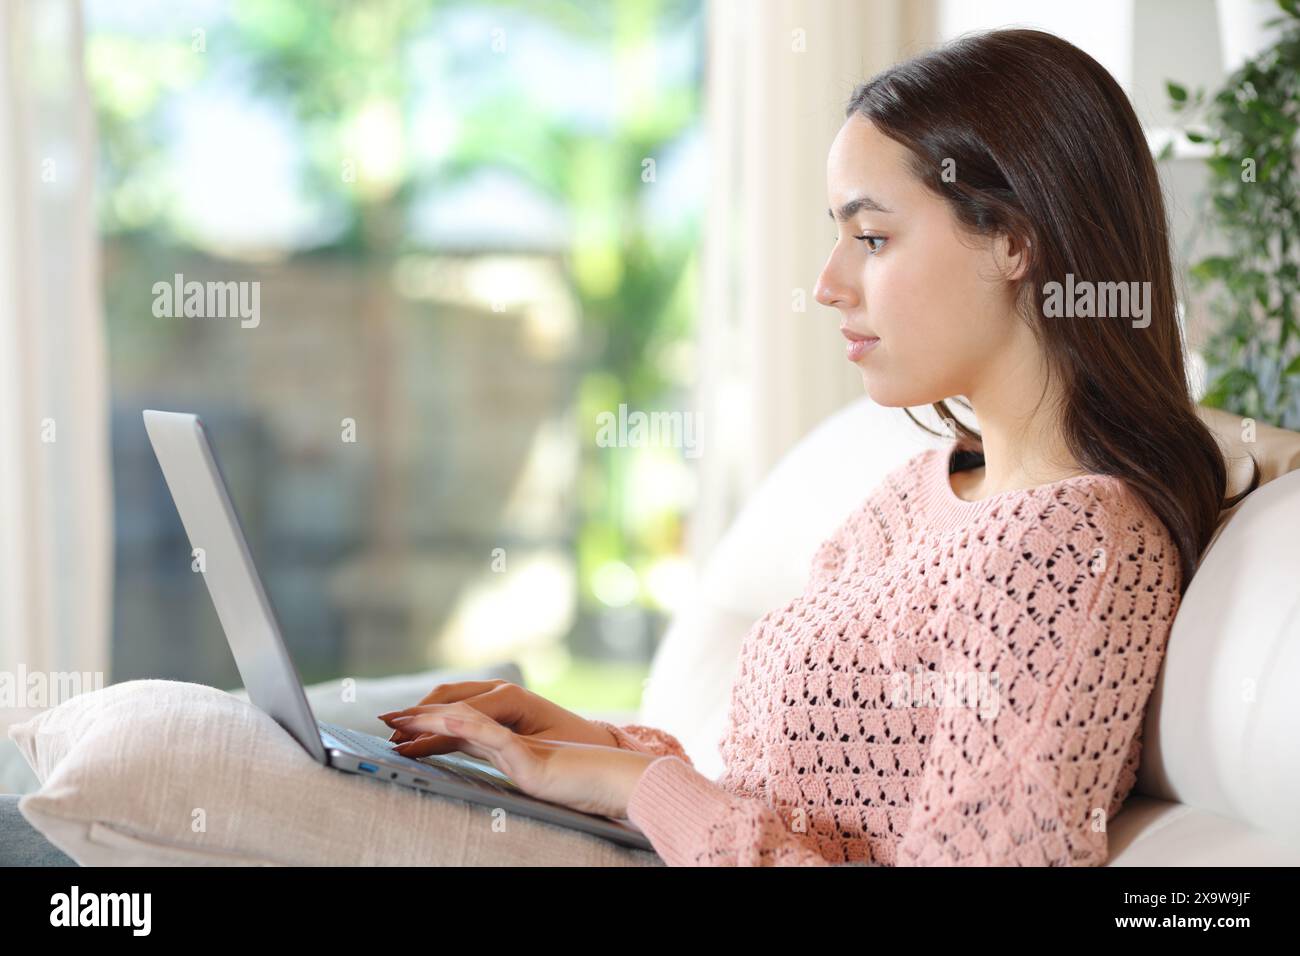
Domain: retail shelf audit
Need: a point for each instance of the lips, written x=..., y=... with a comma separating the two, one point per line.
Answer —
x=859, y=344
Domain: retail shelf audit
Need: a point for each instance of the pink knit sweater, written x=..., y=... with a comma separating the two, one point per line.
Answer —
x=960, y=683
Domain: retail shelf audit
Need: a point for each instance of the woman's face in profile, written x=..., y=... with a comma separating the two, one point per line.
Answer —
x=932, y=294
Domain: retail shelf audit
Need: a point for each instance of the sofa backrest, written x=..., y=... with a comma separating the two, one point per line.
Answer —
x=1221, y=727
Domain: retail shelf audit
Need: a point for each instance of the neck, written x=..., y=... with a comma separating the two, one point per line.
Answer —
x=1024, y=445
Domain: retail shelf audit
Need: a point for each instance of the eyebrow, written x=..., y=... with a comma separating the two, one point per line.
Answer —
x=854, y=206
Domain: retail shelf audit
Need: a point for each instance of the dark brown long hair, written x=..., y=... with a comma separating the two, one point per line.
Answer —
x=1041, y=145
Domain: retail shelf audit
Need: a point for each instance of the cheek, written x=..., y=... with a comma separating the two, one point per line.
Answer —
x=933, y=314
x=921, y=305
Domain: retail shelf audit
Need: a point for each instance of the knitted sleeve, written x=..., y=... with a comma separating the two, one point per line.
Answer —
x=646, y=740
x=691, y=821
x=1033, y=780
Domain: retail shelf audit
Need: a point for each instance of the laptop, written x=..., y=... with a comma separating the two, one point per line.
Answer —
x=189, y=465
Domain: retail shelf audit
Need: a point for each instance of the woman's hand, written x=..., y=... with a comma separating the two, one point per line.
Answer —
x=587, y=777
x=510, y=705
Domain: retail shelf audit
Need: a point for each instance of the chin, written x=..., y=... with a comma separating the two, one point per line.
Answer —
x=890, y=395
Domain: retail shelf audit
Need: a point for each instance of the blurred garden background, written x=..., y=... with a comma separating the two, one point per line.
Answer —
x=475, y=229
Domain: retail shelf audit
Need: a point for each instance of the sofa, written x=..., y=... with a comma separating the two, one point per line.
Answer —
x=1219, y=782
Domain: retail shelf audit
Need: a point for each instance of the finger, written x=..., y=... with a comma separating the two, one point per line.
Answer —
x=419, y=725
x=467, y=729
x=435, y=743
x=452, y=692
x=509, y=753
x=398, y=736
x=424, y=746
x=432, y=745
x=460, y=690
x=421, y=746
x=502, y=704
x=428, y=735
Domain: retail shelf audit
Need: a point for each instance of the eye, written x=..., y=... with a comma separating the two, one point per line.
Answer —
x=872, y=250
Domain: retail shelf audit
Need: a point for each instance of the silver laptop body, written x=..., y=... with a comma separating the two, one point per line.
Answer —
x=194, y=478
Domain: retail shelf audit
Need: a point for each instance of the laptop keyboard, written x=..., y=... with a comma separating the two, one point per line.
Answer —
x=372, y=746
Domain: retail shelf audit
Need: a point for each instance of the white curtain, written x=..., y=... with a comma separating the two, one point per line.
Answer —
x=771, y=358
x=55, y=498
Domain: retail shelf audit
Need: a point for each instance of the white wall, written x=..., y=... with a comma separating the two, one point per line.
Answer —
x=1103, y=28
x=1142, y=43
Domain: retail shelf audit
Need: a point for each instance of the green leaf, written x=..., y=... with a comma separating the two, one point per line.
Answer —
x=1293, y=368
x=1176, y=92
x=1234, y=383
x=1213, y=267
x=1222, y=166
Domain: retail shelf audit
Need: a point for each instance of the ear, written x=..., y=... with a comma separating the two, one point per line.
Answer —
x=1015, y=256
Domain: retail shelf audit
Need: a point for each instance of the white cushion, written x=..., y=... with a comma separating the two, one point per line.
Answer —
x=1221, y=728
x=1151, y=832
x=128, y=772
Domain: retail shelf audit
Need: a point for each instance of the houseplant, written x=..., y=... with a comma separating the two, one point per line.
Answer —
x=1252, y=125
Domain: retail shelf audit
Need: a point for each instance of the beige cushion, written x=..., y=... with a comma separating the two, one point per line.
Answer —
x=351, y=702
x=1276, y=449
x=159, y=772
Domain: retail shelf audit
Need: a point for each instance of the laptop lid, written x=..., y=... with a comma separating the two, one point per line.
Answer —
x=194, y=478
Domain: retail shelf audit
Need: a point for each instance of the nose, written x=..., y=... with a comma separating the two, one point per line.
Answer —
x=831, y=290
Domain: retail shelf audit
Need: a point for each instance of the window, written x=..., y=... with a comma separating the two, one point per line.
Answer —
x=463, y=234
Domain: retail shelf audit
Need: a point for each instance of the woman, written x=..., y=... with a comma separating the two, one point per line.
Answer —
x=1040, y=560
